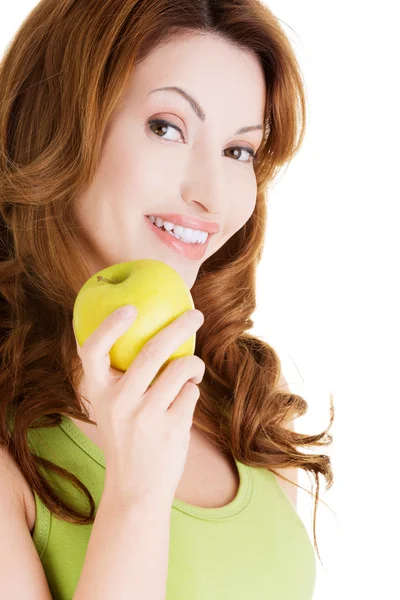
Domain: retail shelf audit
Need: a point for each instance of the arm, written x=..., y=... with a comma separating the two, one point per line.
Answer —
x=127, y=554
x=22, y=574
x=292, y=474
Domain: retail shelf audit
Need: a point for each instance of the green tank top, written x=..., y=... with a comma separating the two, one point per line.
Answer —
x=254, y=547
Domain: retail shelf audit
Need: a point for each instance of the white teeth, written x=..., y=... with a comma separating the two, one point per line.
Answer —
x=196, y=236
x=178, y=231
x=203, y=237
x=188, y=235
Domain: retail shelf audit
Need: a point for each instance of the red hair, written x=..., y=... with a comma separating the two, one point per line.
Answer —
x=61, y=78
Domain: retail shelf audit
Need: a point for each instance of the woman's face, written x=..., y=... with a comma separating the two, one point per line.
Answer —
x=198, y=171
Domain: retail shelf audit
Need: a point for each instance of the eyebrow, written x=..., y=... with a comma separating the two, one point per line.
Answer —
x=199, y=111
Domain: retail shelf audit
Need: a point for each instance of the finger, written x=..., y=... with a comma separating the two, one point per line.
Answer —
x=182, y=371
x=185, y=403
x=158, y=350
x=94, y=352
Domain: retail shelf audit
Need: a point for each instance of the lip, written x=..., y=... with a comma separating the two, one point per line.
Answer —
x=192, y=222
x=192, y=251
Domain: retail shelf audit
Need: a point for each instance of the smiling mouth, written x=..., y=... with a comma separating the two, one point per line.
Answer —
x=202, y=239
x=192, y=251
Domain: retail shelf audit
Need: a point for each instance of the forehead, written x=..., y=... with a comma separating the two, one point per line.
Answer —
x=214, y=71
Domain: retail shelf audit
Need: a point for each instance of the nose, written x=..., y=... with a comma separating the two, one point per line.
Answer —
x=208, y=192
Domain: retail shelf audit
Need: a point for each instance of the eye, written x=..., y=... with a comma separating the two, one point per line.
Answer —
x=244, y=149
x=161, y=124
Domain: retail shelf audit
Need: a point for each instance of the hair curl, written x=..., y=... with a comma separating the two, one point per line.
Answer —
x=61, y=79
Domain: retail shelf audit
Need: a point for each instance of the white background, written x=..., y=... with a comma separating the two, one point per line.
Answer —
x=328, y=297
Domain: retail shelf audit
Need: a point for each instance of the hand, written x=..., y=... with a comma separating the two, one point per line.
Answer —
x=145, y=429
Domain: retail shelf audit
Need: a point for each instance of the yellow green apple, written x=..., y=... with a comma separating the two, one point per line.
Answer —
x=157, y=291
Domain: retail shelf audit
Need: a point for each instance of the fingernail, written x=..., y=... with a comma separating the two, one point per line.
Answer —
x=126, y=312
x=197, y=314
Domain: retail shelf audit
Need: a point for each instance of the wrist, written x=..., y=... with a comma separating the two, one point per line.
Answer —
x=122, y=502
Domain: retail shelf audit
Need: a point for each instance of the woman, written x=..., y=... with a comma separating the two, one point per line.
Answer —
x=94, y=152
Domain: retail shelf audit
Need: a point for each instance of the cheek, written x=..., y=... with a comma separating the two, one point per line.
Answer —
x=245, y=203
x=251, y=204
x=127, y=164
x=237, y=218
x=129, y=179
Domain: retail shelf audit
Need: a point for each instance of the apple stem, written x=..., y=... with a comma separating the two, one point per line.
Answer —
x=100, y=278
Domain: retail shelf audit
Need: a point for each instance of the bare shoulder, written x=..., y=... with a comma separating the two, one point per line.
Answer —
x=10, y=472
x=22, y=573
x=13, y=483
